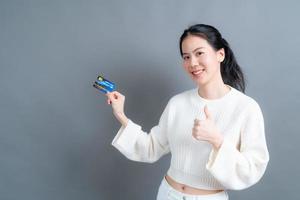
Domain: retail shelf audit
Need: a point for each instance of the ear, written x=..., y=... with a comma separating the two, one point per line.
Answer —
x=221, y=55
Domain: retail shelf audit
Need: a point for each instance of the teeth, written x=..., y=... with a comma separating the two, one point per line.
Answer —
x=198, y=72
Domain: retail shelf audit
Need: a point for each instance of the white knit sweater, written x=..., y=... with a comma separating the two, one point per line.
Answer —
x=239, y=163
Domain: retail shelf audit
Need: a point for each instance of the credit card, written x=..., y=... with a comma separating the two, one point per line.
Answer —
x=104, y=85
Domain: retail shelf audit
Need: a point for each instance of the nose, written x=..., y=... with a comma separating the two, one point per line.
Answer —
x=193, y=62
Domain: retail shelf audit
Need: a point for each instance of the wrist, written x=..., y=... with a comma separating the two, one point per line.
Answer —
x=218, y=141
x=122, y=118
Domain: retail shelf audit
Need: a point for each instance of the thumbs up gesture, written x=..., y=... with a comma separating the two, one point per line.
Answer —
x=207, y=130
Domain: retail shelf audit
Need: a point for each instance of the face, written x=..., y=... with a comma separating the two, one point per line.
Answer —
x=200, y=60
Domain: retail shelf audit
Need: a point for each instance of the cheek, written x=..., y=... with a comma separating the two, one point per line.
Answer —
x=185, y=66
x=213, y=68
x=206, y=60
x=213, y=59
x=210, y=62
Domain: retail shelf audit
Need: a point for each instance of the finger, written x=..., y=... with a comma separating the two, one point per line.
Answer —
x=207, y=113
x=112, y=95
x=116, y=96
x=108, y=94
x=197, y=137
x=197, y=122
x=194, y=131
x=194, y=134
x=110, y=99
x=118, y=93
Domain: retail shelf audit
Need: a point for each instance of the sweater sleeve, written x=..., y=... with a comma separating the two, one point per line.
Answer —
x=137, y=145
x=238, y=169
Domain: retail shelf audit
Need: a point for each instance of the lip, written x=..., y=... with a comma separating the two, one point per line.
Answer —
x=197, y=70
x=199, y=74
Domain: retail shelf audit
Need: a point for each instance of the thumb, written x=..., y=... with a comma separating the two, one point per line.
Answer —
x=207, y=113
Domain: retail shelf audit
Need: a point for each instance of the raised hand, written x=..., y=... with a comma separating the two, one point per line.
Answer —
x=207, y=130
x=117, y=101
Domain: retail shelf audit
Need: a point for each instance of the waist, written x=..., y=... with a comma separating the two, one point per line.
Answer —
x=188, y=189
x=203, y=179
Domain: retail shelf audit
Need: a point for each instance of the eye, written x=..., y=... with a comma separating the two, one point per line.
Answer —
x=186, y=57
x=199, y=53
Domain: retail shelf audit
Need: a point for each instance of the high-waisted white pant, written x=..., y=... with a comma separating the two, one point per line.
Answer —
x=167, y=192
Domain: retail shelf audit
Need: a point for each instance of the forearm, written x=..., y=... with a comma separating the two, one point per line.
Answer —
x=122, y=119
x=235, y=169
x=138, y=145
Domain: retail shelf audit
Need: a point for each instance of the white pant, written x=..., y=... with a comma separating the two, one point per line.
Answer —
x=166, y=192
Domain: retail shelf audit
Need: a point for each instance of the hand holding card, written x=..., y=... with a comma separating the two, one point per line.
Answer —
x=114, y=98
x=117, y=101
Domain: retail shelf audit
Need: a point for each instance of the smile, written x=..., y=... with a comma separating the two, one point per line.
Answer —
x=198, y=72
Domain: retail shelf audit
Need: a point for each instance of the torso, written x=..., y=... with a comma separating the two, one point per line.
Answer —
x=188, y=189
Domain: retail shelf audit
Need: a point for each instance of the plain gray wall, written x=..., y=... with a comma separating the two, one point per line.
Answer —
x=56, y=129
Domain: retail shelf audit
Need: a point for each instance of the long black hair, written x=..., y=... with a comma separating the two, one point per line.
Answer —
x=230, y=70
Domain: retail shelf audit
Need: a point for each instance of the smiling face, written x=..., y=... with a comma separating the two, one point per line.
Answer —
x=200, y=60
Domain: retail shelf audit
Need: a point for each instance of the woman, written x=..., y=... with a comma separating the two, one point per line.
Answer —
x=214, y=132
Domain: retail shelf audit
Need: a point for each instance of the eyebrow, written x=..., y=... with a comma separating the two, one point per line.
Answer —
x=195, y=49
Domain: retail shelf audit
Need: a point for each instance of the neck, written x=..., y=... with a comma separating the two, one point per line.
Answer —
x=213, y=90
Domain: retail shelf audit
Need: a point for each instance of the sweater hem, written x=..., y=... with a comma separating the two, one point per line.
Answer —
x=194, y=181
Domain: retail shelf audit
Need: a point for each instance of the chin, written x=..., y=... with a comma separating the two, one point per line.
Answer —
x=200, y=81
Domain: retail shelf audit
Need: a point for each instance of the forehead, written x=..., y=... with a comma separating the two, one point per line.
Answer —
x=192, y=42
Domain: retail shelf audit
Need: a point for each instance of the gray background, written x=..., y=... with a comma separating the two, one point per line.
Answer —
x=56, y=129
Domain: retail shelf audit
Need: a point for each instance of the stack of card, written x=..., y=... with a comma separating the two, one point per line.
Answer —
x=104, y=85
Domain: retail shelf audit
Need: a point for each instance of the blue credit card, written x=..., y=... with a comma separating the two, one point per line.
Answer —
x=104, y=85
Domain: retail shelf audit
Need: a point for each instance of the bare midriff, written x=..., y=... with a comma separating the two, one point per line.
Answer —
x=188, y=189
